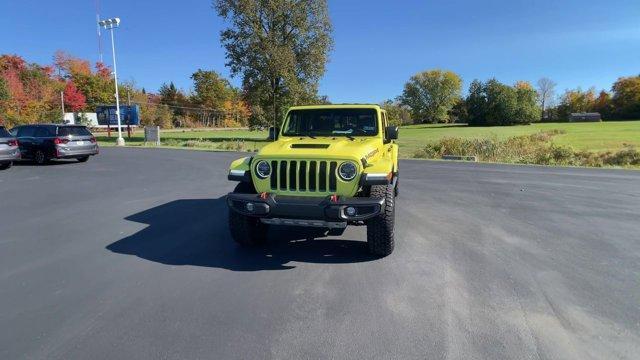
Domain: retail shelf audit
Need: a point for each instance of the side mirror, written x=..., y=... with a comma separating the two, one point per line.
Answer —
x=392, y=132
x=273, y=133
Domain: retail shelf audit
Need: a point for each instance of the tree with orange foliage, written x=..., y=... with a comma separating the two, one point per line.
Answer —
x=236, y=113
x=96, y=87
x=626, y=97
x=30, y=92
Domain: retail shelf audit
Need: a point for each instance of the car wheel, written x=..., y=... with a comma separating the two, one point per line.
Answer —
x=380, y=229
x=246, y=230
x=5, y=166
x=83, y=159
x=40, y=158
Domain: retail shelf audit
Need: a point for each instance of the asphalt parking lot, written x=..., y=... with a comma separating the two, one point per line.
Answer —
x=128, y=256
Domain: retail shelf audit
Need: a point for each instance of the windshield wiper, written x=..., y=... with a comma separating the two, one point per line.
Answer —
x=346, y=133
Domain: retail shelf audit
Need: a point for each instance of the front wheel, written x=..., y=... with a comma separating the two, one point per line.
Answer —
x=380, y=232
x=246, y=230
x=5, y=166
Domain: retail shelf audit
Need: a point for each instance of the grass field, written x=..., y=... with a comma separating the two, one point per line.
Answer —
x=195, y=139
x=597, y=137
x=137, y=138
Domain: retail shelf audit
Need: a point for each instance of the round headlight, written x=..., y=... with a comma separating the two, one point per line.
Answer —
x=263, y=169
x=347, y=171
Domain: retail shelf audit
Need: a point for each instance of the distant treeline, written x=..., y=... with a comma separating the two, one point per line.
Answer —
x=31, y=93
x=435, y=97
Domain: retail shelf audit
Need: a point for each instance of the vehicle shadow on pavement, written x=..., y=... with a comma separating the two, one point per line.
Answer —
x=194, y=232
x=48, y=163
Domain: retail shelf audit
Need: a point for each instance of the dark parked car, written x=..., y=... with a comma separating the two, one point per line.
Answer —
x=9, y=151
x=44, y=142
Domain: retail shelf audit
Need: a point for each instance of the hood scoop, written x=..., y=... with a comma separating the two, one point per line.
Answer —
x=309, y=146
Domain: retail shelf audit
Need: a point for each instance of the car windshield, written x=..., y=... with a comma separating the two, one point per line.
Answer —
x=73, y=131
x=332, y=122
x=4, y=132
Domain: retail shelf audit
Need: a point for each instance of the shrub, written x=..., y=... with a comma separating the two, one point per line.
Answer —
x=626, y=157
x=535, y=148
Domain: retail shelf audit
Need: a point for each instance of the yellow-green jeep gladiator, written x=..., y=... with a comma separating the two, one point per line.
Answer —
x=330, y=166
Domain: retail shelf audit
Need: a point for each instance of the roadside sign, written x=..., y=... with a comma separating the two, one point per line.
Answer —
x=129, y=115
x=152, y=135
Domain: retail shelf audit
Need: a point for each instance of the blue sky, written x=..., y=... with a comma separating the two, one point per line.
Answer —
x=378, y=44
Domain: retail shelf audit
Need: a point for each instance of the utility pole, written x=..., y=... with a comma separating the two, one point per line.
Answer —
x=129, y=117
x=62, y=104
x=98, y=31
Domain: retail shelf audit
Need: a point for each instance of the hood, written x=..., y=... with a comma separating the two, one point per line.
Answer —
x=322, y=147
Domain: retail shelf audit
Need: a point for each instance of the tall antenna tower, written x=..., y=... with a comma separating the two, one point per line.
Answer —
x=98, y=30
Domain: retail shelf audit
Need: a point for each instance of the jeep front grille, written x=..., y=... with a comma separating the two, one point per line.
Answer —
x=303, y=175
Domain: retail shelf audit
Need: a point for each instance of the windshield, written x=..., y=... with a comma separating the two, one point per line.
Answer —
x=73, y=131
x=332, y=122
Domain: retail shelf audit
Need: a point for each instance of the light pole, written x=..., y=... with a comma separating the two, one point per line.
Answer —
x=111, y=24
x=62, y=103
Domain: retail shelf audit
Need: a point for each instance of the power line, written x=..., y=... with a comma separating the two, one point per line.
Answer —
x=182, y=107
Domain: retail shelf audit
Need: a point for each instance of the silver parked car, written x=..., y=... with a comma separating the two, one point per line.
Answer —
x=9, y=151
x=43, y=142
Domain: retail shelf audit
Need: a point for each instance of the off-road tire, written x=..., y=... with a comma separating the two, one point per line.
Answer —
x=5, y=166
x=83, y=159
x=380, y=234
x=246, y=230
x=396, y=189
x=40, y=157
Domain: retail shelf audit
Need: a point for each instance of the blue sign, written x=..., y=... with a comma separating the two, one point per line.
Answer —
x=129, y=115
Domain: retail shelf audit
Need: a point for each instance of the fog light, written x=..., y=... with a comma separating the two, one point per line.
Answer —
x=350, y=211
x=249, y=207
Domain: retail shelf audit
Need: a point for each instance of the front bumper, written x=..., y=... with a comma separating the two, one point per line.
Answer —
x=305, y=211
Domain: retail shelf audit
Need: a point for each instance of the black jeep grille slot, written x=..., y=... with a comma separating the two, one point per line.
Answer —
x=332, y=176
x=322, y=177
x=293, y=174
x=283, y=175
x=274, y=175
x=312, y=175
x=303, y=175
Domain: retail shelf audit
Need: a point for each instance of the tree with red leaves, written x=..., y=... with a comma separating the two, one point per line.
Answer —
x=103, y=70
x=74, y=100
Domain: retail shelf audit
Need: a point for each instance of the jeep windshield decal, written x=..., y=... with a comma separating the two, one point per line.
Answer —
x=331, y=122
